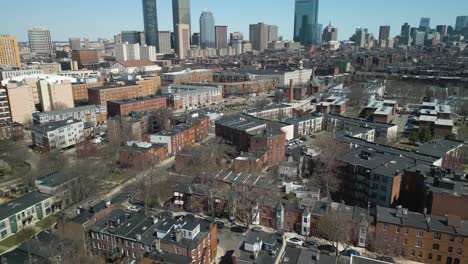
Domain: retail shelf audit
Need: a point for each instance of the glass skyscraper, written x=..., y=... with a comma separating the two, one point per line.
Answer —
x=305, y=21
x=207, y=30
x=150, y=18
x=181, y=13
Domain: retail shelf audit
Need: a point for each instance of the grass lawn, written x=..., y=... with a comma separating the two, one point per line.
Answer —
x=47, y=222
x=17, y=238
x=116, y=177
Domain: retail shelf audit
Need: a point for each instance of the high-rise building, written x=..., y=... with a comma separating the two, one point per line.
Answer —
x=183, y=40
x=148, y=53
x=40, y=40
x=150, y=18
x=425, y=24
x=418, y=39
x=196, y=39
x=21, y=100
x=181, y=13
x=272, y=33
x=384, y=32
x=405, y=34
x=118, y=38
x=235, y=40
x=164, y=39
x=442, y=30
x=127, y=52
x=207, y=30
x=317, y=30
x=258, y=36
x=9, y=52
x=86, y=58
x=87, y=43
x=361, y=37
x=132, y=37
x=461, y=23
x=75, y=43
x=330, y=33
x=305, y=16
x=221, y=37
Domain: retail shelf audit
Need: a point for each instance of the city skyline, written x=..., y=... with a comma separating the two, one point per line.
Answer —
x=130, y=16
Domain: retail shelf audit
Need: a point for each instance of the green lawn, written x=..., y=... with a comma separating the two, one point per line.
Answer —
x=116, y=177
x=17, y=238
x=47, y=222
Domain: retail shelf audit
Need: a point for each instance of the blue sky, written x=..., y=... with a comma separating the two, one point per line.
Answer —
x=104, y=18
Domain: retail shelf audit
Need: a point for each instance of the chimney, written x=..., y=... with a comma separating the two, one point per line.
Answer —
x=291, y=91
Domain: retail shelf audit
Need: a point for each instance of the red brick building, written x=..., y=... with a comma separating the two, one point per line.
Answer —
x=86, y=58
x=120, y=236
x=177, y=139
x=118, y=91
x=201, y=124
x=11, y=130
x=139, y=104
x=138, y=155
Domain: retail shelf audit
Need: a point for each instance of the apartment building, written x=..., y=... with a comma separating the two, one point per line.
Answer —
x=94, y=115
x=57, y=135
x=9, y=74
x=9, y=52
x=421, y=237
x=181, y=97
x=11, y=131
x=187, y=76
x=5, y=113
x=178, y=138
x=139, y=104
x=25, y=211
x=118, y=91
x=138, y=155
x=21, y=101
x=306, y=125
x=134, y=236
x=80, y=90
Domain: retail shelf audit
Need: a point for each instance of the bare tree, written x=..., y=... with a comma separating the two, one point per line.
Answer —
x=326, y=166
x=279, y=96
x=59, y=106
x=161, y=118
x=262, y=102
x=337, y=227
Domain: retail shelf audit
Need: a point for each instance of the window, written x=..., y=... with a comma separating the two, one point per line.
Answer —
x=397, y=229
x=437, y=236
x=429, y=256
x=385, y=227
x=420, y=254
x=450, y=249
x=459, y=251
x=419, y=233
x=451, y=239
x=435, y=246
x=460, y=240
x=413, y=252
x=418, y=243
x=405, y=242
x=439, y=258
x=406, y=231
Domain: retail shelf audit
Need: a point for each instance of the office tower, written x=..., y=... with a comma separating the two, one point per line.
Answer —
x=150, y=18
x=258, y=36
x=87, y=43
x=164, y=39
x=317, y=30
x=75, y=43
x=86, y=58
x=330, y=33
x=461, y=23
x=142, y=38
x=9, y=52
x=183, y=40
x=118, y=38
x=419, y=38
x=132, y=37
x=305, y=16
x=221, y=37
x=181, y=13
x=207, y=30
x=441, y=29
x=196, y=39
x=405, y=34
x=425, y=24
x=384, y=32
x=127, y=52
x=40, y=40
x=148, y=53
x=361, y=37
x=272, y=33
x=235, y=40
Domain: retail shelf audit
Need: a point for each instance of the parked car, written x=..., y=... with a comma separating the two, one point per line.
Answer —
x=134, y=208
x=310, y=244
x=239, y=229
x=350, y=252
x=257, y=229
x=327, y=248
x=295, y=241
x=219, y=225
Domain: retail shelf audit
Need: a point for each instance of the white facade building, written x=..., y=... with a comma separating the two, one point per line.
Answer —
x=126, y=52
x=58, y=135
x=148, y=53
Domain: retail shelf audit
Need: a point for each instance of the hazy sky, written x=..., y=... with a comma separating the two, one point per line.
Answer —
x=105, y=18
